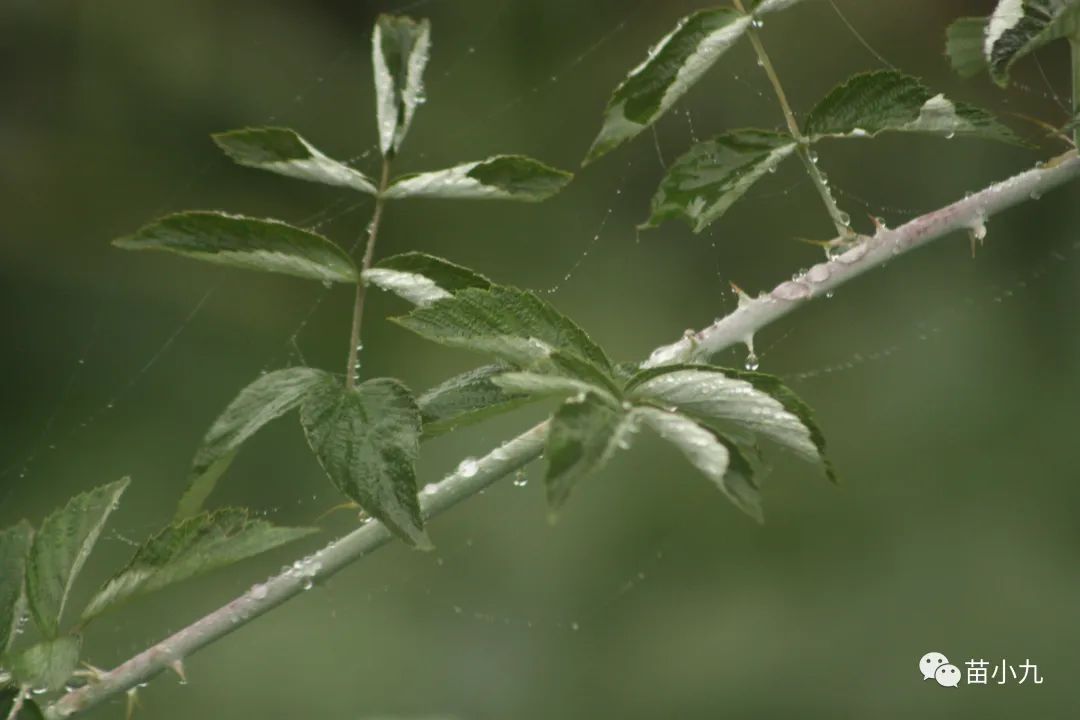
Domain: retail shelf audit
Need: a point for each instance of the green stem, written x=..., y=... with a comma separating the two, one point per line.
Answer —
x=361, y=286
x=840, y=219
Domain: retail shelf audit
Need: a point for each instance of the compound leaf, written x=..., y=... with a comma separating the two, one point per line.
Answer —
x=399, y=51
x=269, y=397
x=188, y=548
x=283, y=151
x=671, y=68
x=702, y=184
x=367, y=439
x=245, y=242
x=60, y=549
x=502, y=177
x=886, y=100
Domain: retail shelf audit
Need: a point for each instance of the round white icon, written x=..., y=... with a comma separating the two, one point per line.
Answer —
x=930, y=662
x=947, y=676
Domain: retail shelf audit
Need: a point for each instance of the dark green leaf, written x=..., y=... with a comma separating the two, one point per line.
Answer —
x=719, y=461
x=466, y=399
x=399, y=48
x=422, y=279
x=735, y=402
x=245, y=242
x=61, y=547
x=702, y=184
x=14, y=548
x=510, y=324
x=188, y=548
x=282, y=151
x=671, y=68
x=269, y=397
x=367, y=440
x=1020, y=27
x=48, y=664
x=585, y=432
x=887, y=100
x=503, y=177
x=964, y=45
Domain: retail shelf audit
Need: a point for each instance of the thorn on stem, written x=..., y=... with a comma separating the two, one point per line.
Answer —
x=177, y=666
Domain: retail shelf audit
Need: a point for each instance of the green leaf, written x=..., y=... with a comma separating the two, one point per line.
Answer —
x=14, y=548
x=702, y=184
x=964, y=45
x=48, y=664
x=399, y=49
x=367, y=440
x=282, y=151
x=720, y=462
x=61, y=547
x=507, y=323
x=671, y=68
x=540, y=386
x=886, y=100
x=503, y=177
x=244, y=242
x=1020, y=27
x=585, y=432
x=188, y=548
x=735, y=402
x=28, y=711
x=422, y=279
x=466, y=399
x=269, y=397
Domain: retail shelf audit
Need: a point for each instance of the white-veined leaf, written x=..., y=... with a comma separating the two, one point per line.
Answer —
x=399, y=51
x=367, y=439
x=720, y=462
x=244, y=242
x=188, y=548
x=422, y=279
x=671, y=68
x=269, y=397
x=502, y=177
x=283, y=151
x=702, y=184
x=60, y=549
x=733, y=401
x=889, y=101
x=1019, y=27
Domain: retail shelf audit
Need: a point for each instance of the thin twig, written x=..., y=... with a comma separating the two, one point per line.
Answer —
x=361, y=286
x=741, y=324
x=802, y=148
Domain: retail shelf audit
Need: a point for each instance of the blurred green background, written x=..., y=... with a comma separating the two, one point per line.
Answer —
x=947, y=386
